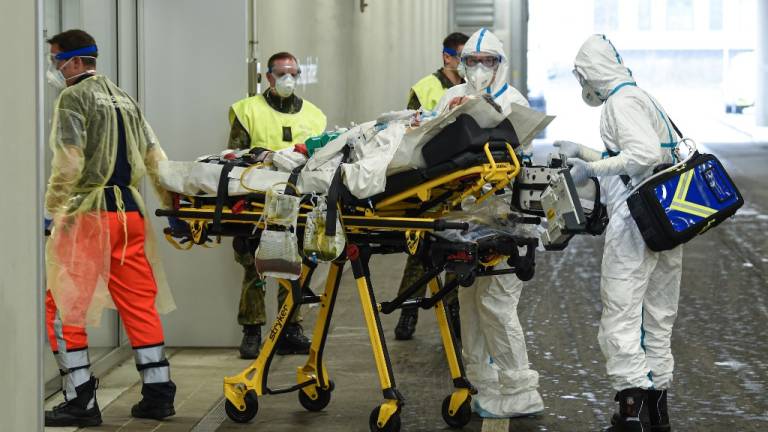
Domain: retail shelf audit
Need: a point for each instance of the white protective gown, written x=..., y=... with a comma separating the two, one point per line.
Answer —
x=639, y=287
x=495, y=357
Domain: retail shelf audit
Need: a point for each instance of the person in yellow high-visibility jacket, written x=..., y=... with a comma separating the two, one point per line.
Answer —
x=274, y=120
x=425, y=94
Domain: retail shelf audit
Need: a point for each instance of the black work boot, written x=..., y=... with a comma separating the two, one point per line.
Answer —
x=293, y=341
x=406, y=326
x=454, y=319
x=80, y=411
x=251, y=343
x=157, y=401
x=633, y=411
x=657, y=411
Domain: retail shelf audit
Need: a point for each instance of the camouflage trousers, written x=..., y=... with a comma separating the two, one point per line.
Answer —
x=252, y=309
x=412, y=272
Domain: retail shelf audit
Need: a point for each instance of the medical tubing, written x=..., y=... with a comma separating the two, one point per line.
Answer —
x=257, y=165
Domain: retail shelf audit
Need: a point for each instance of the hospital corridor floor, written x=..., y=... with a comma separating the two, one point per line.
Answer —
x=719, y=342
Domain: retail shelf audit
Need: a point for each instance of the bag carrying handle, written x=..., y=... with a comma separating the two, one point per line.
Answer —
x=690, y=144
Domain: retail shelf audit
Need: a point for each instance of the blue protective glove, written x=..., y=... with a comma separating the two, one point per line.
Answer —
x=177, y=225
x=47, y=221
x=581, y=171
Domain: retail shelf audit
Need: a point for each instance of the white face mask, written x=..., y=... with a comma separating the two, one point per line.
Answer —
x=588, y=94
x=479, y=77
x=590, y=97
x=285, y=85
x=55, y=77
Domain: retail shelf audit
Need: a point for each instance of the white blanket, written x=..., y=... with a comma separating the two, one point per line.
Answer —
x=202, y=179
x=365, y=174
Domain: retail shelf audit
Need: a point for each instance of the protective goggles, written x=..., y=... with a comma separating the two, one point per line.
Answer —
x=485, y=60
x=86, y=51
x=279, y=71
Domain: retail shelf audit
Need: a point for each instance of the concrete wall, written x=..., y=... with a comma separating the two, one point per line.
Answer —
x=192, y=67
x=367, y=60
x=394, y=44
x=21, y=231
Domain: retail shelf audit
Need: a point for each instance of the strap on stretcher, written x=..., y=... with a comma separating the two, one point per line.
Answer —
x=222, y=193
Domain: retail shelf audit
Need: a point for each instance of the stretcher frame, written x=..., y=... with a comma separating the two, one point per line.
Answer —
x=369, y=230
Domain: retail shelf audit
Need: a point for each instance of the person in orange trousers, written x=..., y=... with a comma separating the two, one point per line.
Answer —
x=96, y=255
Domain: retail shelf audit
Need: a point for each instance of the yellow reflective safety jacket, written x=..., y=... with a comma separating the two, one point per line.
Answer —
x=429, y=90
x=272, y=129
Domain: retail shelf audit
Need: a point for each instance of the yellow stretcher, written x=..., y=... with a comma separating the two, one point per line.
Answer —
x=405, y=218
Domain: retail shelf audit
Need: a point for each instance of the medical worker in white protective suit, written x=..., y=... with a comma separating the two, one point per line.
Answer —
x=639, y=287
x=496, y=361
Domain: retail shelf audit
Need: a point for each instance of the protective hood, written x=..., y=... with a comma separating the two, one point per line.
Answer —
x=485, y=41
x=601, y=66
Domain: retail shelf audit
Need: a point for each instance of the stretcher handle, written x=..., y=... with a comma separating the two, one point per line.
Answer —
x=358, y=221
x=491, y=160
x=442, y=225
x=397, y=302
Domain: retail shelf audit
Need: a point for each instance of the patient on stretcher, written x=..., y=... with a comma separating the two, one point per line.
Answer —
x=366, y=153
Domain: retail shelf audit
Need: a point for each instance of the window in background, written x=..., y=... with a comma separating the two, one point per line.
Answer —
x=698, y=75
x=716, y=15
x=606, y=15
x=680, y=15
x=644, y=15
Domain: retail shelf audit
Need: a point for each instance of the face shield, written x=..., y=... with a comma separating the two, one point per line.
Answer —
x=56, y=63
x=53, y=74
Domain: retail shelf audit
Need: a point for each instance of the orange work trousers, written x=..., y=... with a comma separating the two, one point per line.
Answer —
x=131, y=285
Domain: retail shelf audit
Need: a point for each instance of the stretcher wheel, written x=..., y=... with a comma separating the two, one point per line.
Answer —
x=393, y=425
x=322, y=401
x=460, y=418
x=251, y=408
